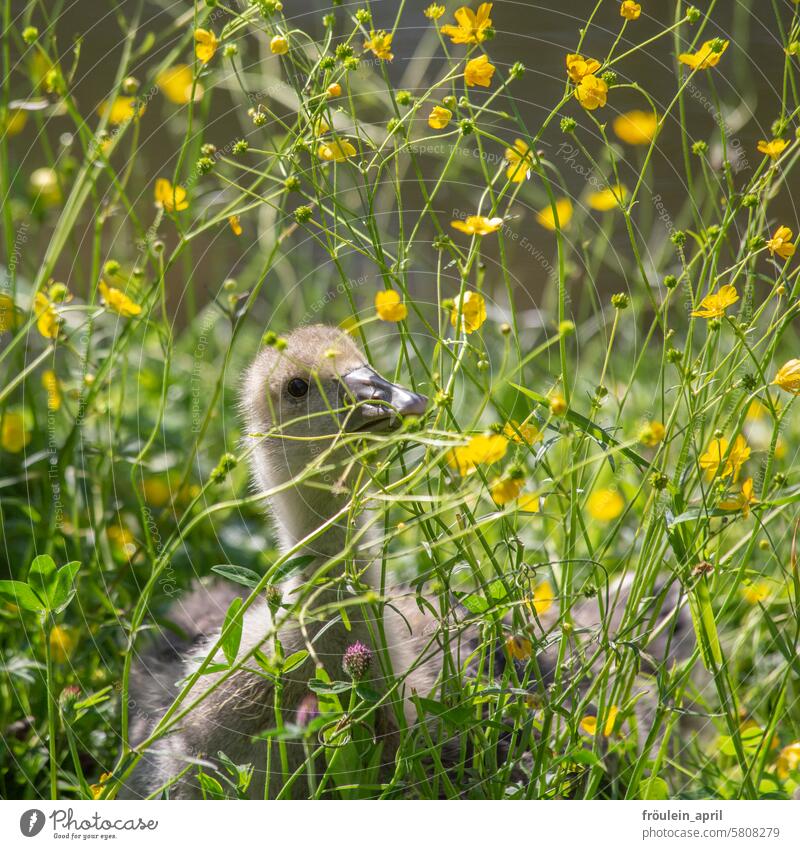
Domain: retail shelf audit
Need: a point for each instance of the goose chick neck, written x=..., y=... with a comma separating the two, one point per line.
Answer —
x=302, y=402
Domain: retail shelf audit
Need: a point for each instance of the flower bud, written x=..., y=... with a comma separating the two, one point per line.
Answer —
x=357, y=660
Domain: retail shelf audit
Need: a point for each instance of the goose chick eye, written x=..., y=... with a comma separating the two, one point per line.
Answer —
x=297, y=387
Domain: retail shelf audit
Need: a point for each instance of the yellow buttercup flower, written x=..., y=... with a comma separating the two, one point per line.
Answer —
x=756, y=592
x=40, y=68
x=58, y=292
x=122, y=541
x=781, y=243
x=788, y=377
x=739, y=455
x=14, y=435
x=757, y=410
x=477, y=225
x=45, y=187
x=13, y=122
x=714, y=306
x=520, y=648
x=506, y=489
x=520, y=161
x=156, y=491
x=605, y=505
x=175, y=84
x=607, y=199
x=120, y=109
x=336, y=150
x=471, y=26
x=558, y=403
x=542, y=597
x=591, y=92
x=483, y=449
x=472, y=309
x=652, y=433
x=589, y=723
x=636, y=126
x=714, y=462
x=479, y=72
x=47, y=320
x=524, y=434
x=743, y=499
x=578, y=66
x=235, y=225
x=439, y=118
x=630, y=11
x=333, y=90
x=205, y=45
x=434, y=11
x=117, y=301
x=773, y=149
x=547, y=218
x=705, y=57
x=172, y=198
x=52, y=387
x=389, y=306
x=279, y=45
x=788, y=760
x=380, y=43
x=8, y=313
x=62, y=643
x=98, y=789
x=528, y=502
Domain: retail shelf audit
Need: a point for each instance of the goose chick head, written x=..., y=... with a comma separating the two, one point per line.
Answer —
x=300, y=400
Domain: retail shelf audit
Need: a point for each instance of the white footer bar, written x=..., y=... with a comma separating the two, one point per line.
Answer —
x=413, y=825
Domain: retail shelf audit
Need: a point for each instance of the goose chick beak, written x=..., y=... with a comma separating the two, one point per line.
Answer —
x=377, y=401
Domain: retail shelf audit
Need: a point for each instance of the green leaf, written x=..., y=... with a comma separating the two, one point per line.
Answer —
x=94, y=699
x=595, y=432
x=232, y=631
x=705, y=626
x=213, y=668
x=475, y=603
x=43, y=580
x=31, y=512
x=725, y=745
x=750, y=739
x=287, y=569
x=269, y=667
x=784, y=647
x=147, y=43
x=459, y=716
x=367, y=693
x=64, y=583
x=695, y=514
x=317, y=685
x=584, y=757
x=294, y=660
x=238, y=574
x=211, y=786
x=19, y=593
x=768, y=784
x=654, y=788
x=287, y=732
x=497, y=590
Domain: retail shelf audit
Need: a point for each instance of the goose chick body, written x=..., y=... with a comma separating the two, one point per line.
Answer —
x=306, y=395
